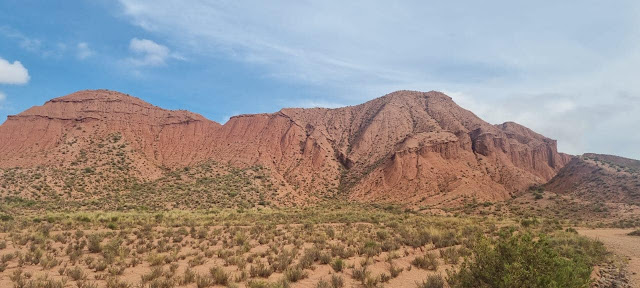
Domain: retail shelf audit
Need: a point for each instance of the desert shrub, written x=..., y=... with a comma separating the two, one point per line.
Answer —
x=41, y=283
x=384, y=277
x=203, y=281
x=117, y=283
x=259, y=284
x=446, y=239
x=94, y=243
x=188, y=277
x=283, y=261
x=264, y=284
x=520, y=261
x=323, y=284
x=152, y=275
x=337, y=281
x=100, y=266
x=162, y=283
x=86, y=284
x=156, y=259
x=219, y=276
x=371, y=282
x=337, y=265
x=571, y=230
x=433, y=281
x=428, y=261
x=450, y=255
x=324, y=258
x=295, y=274
x=309, y=257
x=260, y=270
x=360, y=274
x=579, y=248
x=5, y=217
x=416, y=239
x=370, y=249
x=529, y=222
x=76, y=273
x=394, y=271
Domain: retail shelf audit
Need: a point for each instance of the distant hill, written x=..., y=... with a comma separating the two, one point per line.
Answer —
x=602, y=178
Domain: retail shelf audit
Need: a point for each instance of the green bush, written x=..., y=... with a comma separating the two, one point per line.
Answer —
x=521, y=261
x=429, y=262
x=219, y=276
x=94, y=243
x=337, y=265
x=295, y=274
x=337, y=281
x=260, y=270
x=203, y=281
x=450, y=255
x=433, y=281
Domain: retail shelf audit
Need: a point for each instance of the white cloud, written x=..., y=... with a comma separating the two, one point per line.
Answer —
x=314, y=103
x=34, y=45
x=83, y=51
x=13, y=73
x=2, y=98
x=581, y=126
x=149, y=53
x=27, y=43
x=555, y=66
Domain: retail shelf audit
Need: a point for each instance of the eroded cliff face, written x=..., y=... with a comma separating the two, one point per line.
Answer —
x=407, y=146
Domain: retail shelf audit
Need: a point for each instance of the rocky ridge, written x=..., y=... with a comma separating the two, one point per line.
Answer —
x=409, y=147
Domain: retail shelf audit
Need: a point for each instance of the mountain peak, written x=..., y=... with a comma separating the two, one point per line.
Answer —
x=100, y=95
x=106, y=105
x=411, y=95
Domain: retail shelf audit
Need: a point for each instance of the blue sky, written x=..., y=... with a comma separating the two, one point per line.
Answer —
x=567, y=69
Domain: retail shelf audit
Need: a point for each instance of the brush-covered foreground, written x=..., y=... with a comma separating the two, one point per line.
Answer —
x=327, y=245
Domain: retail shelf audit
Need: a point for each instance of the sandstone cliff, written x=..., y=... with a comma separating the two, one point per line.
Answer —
x=409, y=147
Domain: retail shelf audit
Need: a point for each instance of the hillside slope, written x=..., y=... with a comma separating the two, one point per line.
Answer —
x=601, y=178
x=408, y=147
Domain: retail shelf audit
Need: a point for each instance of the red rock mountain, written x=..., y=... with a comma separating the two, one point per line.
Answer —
x=407, y=146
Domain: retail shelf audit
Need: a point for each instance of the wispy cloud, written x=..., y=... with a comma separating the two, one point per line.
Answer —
x=149, y=53
x=312, y=103
x=497, y=51
x=28, y=43
x=2, y=98
x=83, y=51
x=44, y=48
x=13, y=73
x=32, y=44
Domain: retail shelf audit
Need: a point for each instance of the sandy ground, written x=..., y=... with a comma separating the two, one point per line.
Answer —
x=618, y=242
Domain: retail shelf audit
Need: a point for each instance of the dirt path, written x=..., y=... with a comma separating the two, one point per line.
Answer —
x=618, y=242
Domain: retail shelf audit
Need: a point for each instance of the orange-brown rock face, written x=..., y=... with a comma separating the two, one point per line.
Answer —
x=409, y=147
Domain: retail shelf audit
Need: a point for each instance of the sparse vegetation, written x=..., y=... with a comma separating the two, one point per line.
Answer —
x=433, y=281
x=428, y=261
x=248, y=246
